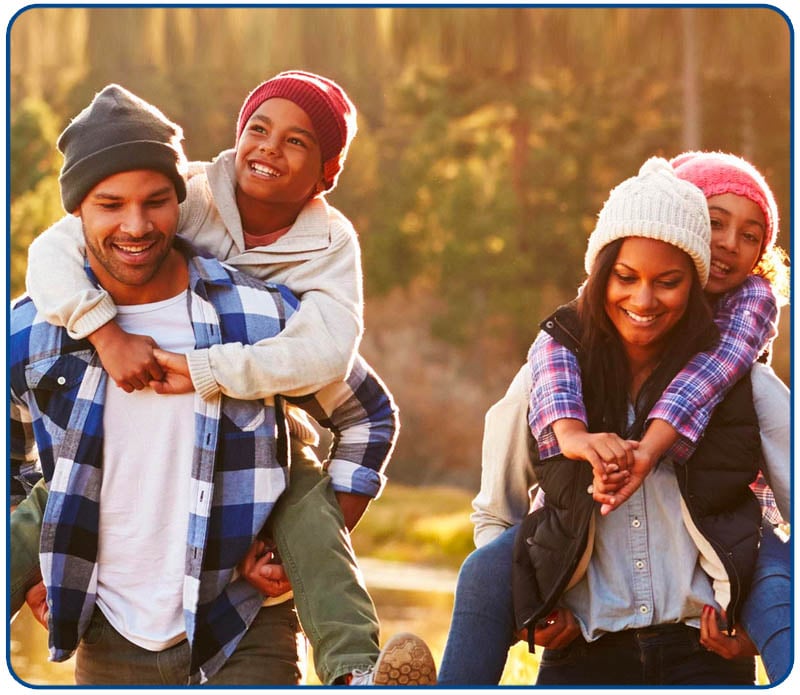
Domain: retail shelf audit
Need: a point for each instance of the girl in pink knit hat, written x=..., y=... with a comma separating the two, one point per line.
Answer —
x=747, y=279
x=261, y=207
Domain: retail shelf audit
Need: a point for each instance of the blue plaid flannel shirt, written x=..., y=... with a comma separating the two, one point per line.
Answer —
x=56, y=414
x=747, y=321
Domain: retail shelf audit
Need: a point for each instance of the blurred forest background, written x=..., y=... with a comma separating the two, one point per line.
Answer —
x=488, y=140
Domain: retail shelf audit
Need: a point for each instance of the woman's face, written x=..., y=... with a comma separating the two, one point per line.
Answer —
x=738, y=227
x=647, y=292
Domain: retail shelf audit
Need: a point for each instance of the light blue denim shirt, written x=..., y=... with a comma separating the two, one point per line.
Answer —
x=644, y=569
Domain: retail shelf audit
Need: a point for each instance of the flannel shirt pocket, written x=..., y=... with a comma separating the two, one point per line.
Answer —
x=55, y=376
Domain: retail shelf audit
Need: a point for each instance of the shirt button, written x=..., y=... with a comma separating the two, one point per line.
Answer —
x=61, y=380
x=639, y=564
x=636, y=523
x=643, y=609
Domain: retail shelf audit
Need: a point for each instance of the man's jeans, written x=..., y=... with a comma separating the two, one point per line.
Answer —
x=767, y=613
x=659, y=655
x=335, y=610
x=271, y=652
x=482, y=627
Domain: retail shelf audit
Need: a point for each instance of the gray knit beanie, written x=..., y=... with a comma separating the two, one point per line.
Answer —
x=656, y=204
x=118, y=132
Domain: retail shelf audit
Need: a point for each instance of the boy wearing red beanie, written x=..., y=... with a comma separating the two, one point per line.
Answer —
x=261, y=207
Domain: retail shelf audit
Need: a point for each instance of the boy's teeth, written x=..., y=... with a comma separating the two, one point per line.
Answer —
x=266, y=171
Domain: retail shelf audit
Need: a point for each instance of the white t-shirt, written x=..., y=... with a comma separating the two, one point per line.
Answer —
x=144, y=499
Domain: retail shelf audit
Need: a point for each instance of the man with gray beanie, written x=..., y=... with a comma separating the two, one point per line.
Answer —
x=152, y=500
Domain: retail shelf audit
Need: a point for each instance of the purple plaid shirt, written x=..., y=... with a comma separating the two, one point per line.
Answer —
x=747, y=321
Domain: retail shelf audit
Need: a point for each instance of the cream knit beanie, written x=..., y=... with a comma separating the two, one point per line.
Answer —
x=656, y=204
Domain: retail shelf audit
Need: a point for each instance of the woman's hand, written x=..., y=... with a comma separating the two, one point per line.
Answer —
x=259, y=569
x=556, y=631
x=720, y=642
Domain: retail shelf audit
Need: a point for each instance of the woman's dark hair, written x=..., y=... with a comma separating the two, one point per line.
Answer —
x=605, y=372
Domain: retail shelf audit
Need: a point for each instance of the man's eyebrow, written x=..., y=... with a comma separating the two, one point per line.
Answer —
x=294, y=128
x=103, y=195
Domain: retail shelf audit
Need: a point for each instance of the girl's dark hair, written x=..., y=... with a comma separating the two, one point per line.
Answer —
x=604, y=365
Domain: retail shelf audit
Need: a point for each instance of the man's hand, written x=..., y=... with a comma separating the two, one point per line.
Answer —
x=353, y=507
x=177, y=378
x=259, y=570
x=556, y=631
x=720, y=642
x=605, y=451
x=128, y=358
x=36, y=598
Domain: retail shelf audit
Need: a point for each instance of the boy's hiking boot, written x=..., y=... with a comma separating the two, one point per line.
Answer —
x=404, y=660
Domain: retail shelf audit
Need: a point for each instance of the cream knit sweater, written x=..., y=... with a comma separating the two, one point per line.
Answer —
x=318, y=259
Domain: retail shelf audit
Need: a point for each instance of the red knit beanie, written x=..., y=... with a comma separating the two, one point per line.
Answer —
x=332, y=114
x=717, y=173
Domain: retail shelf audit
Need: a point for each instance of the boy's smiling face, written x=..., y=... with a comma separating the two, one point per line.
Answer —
x=278, y=159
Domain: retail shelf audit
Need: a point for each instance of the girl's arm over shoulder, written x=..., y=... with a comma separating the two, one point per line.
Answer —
x=747, y=322
x=556, y=391
x=58, y=284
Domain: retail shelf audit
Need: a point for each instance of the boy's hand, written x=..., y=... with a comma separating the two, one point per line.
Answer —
x=605, y=451
x=258, y=569
x=720, y=642
x=177, y=378
x=36, y=598
x=127, y=357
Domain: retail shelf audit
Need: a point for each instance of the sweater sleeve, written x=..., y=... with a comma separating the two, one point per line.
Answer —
x=506, y=471
x=772, y=401
x=747, y=322
x=57, y=283
x=316, y=348
x=556, y=393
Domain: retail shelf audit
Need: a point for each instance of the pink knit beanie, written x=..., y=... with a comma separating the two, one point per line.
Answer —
x=717, y=173
x=332, y=114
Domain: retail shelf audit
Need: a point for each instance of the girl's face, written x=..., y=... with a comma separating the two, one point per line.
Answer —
x=738, y=227
x=647, y=293
x=278, y=158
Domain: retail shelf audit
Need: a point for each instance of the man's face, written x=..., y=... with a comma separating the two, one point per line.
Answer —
x=129, y=222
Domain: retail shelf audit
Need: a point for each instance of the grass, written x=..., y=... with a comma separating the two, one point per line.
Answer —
x=428, y=526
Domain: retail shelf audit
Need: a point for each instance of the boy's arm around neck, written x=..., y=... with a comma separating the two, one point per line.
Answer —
x=320, y=340
x=57, y=282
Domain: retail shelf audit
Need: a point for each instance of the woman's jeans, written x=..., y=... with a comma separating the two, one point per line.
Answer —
x=767, y=613
x=482, y=627
x=658, y=655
